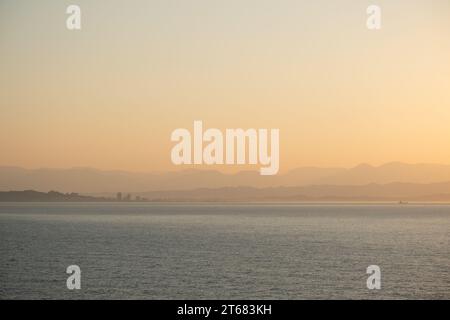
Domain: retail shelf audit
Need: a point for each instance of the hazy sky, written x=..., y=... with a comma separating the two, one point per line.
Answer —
x=109, y=96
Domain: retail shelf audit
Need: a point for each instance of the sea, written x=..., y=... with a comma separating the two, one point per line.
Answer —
x=224, y=251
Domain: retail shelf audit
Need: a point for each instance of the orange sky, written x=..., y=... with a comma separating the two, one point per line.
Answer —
x=109, y=96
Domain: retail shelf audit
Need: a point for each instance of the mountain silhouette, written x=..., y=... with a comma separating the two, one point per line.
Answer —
x=94, y=181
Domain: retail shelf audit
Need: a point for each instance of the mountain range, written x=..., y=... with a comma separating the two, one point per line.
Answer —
x=391, y=180
x=396, y=192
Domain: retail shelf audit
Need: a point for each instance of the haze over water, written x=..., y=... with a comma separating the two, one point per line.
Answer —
x=226, y=251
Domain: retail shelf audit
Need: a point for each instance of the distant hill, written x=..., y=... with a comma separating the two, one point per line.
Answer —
x=52, y=196
x=100, y=182
x=396, y=192
x=371, y=192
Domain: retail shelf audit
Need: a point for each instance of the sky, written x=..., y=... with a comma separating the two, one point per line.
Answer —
x=109, y=95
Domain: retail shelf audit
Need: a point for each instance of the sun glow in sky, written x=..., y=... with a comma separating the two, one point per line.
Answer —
x=109, y=95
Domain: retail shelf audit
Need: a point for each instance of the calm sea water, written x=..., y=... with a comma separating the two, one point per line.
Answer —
x=223, y=251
